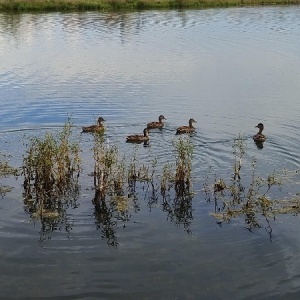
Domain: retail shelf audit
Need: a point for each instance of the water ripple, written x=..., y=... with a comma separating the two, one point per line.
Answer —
x=229, y=69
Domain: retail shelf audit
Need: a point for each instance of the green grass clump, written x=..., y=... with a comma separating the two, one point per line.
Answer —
x=51, y=168
x=183, y=156
x=109, y=168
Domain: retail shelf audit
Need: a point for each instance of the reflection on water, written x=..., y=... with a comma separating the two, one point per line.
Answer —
x=229, y=69
x=105, y=220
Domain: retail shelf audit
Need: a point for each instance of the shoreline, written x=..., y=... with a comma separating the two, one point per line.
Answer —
x=117, y=5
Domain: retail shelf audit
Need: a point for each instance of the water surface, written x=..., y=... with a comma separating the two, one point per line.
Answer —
x=229, y=69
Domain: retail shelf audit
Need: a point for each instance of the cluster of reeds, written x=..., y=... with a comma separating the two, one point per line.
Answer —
x=117, y=177
x=110, y=174
x=183, y=161
x=178, y=174
x=249, y=197
x=109, y=168
x=51, y=169
x=176, y=183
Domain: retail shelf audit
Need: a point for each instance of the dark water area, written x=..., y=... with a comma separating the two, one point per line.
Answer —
x=229, y=69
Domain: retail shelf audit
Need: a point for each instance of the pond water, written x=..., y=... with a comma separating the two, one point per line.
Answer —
x=229, y=69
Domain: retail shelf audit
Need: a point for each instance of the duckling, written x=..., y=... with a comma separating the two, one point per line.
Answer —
x=138, y=138
x=158, y=124
x=186, y=129
x=99, y=127
x=259, y=137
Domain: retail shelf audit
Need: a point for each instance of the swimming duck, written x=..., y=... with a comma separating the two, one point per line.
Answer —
x=259, y=137
x=186, y=129
x=138, y=138
x=158, y=124
x=99, y=127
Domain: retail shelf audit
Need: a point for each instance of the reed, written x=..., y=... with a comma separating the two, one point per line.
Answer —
x=116, y=178
x=109, y=168
x=51, y=168
x=251, y=197
x=183, y=160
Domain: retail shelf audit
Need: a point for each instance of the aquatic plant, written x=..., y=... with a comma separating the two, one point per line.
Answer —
x=249, y=197
x=51, y=168
x=112, y=177
x=238, y=152
x=5, y=170
x=183, y=161
x=109, y=167
x=117, y=177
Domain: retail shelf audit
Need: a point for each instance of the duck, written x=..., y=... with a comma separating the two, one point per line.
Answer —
x=259, y=137
x=99, y=127
x=186, y=129
x=158, y=124
x=138, y=138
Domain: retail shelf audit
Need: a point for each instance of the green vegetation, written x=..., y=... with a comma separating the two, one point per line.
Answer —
x=251, y=199
x=116, y=178
x=102, y=5
x=51, y=168
x=184, y=152
x=112, y=172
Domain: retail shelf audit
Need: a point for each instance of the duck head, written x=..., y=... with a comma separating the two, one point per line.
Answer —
x=260, y=126
x=100, y=120
x=161, y=117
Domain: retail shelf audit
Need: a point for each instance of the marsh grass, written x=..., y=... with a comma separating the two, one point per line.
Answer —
x=112, y=178
x=117, y=179
x=109, y=168
x=253, y=200
x=177, y=175
x=183, y=162
x=51, y=168
x=114, y=173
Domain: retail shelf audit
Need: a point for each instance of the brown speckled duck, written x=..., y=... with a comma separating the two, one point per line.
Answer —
x=99, y=127
x=259, y=137
x=138, y=138
x=186, y=129
x=158, y=124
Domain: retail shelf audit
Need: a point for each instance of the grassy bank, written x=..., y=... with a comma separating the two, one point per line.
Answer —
x=85, y=5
